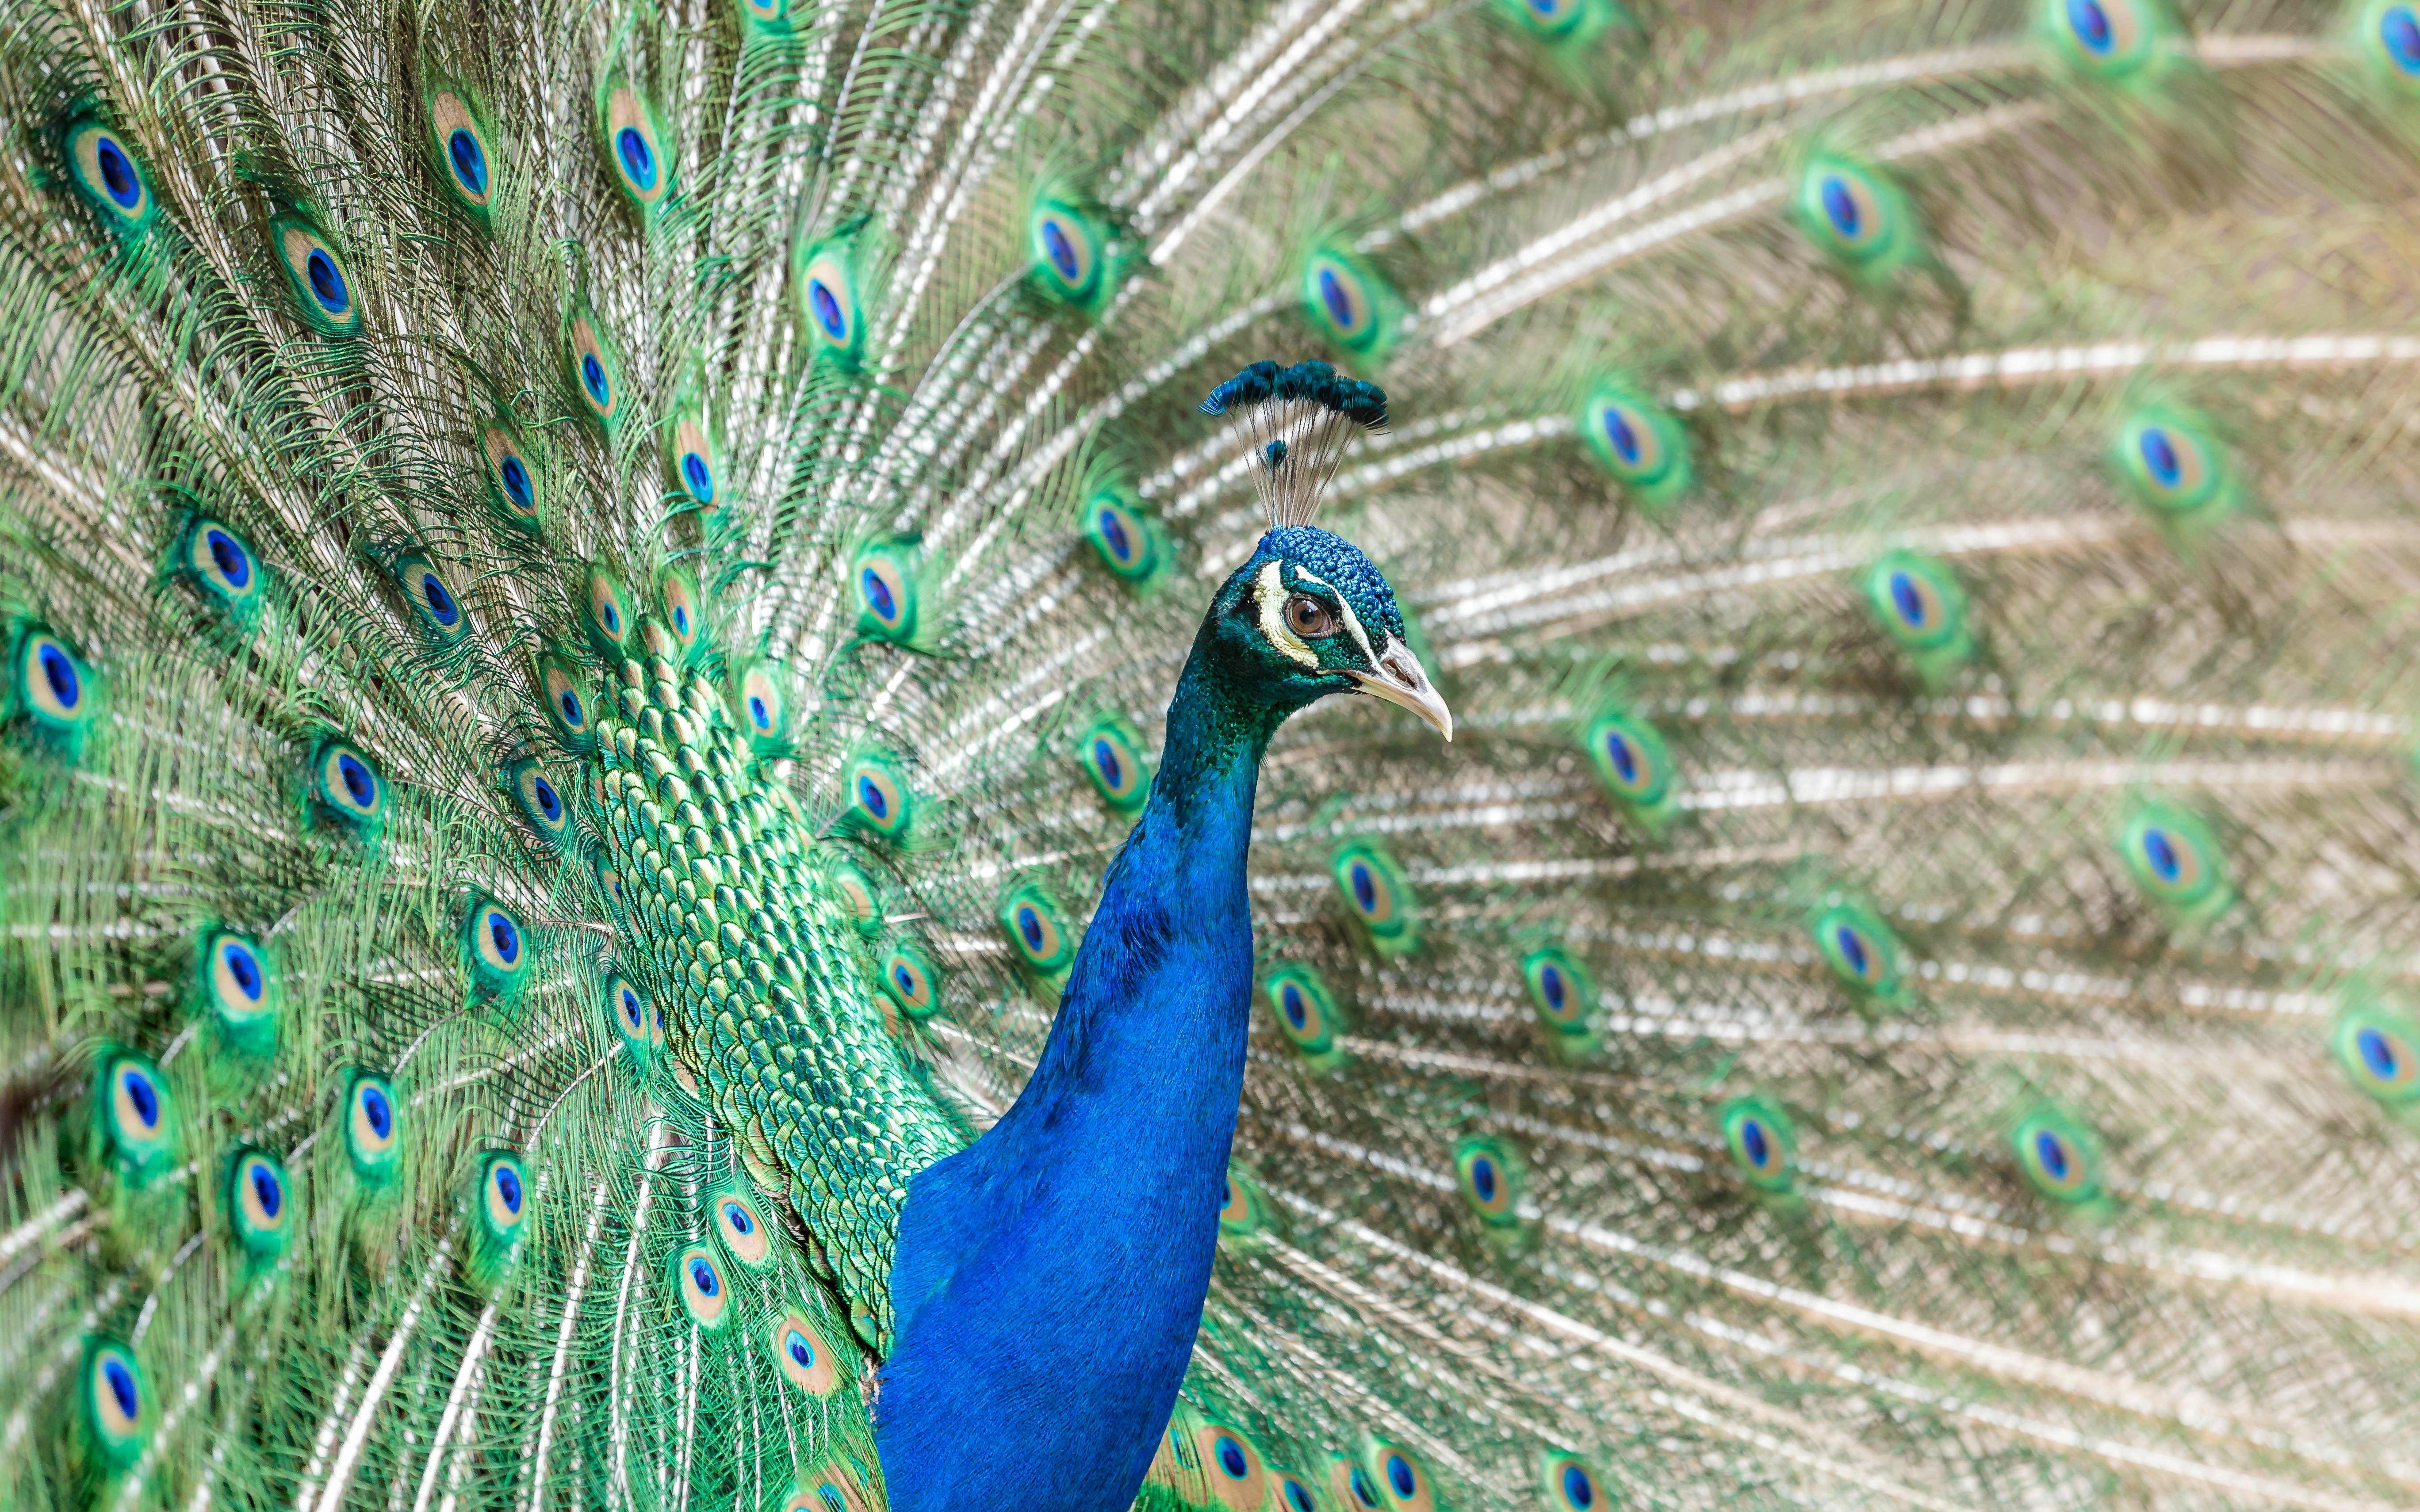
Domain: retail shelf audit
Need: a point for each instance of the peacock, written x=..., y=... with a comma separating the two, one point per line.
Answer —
x=672, y=832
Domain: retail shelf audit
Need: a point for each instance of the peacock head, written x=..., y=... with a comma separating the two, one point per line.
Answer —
x=1309, y=615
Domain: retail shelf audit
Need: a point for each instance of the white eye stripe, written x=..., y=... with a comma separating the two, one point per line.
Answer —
x=1352, y=624
x=1269, y=596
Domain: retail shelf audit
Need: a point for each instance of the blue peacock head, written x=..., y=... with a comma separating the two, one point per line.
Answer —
x=1309, y=615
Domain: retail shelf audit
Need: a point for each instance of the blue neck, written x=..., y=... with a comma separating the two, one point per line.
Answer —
x=1050, y=1279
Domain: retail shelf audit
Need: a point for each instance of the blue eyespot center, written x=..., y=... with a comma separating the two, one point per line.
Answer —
x=1578, y=1491
x=1113, y=532
x=1550, y=986
x=1624, y=440
x=470, y=162
x=592, y=374
x=1029, y=924
x=2399, y=29
x=1753, y=1140
x=631, y=1010
x=758, y=715
x=1230, y=1458
x=1297, y=1012
x=700, y=481
x=610, y=617
x=680, y=619
x=441, y=607
x=2160, y=457
x=1626, y=762
x=701, y=1275
x=905, y=978
x=2378, y=1054
x=638, y=157
x=827, y=308
x=870, y=796
x=2090, y=25
x=120, y=1383
x=572, y=714
x=2161, y=853
x=516, y=482
x=736, y=1216
x=117, y=174
x=1297, y=1497
x=1363, y=1491
x=1061, y=254
x=327, y=284
x=1339, y=301
x=359, y=785
x=1908, y=600
x=508, y=1187
x=505, y=937
x=375, y=1109
x=234, y=568
x=243, y=969
x=2052, y=1151
x=1105, y=758
x=265, y=1191
x=548, y=804
x=799, y=1350
x=141, y=1096
x=1365, y=888
x=1840, y=207
x=1399, y=1474
x=60, y=673
x=1852, y=949
x=877, y=596
x=1483, y=1183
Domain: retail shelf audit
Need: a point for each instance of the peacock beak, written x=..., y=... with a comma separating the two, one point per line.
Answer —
x=1400, y=681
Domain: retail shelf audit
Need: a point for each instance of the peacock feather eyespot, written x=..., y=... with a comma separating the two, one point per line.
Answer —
x=1126, y=537
x=1640, y=444
x=512, y=477
x=497, y=953
x=857, y=894
x=1305, y=1012
x=260, y=1204
x=108, y=175
x=348, y=793
x=767, y=17
x=691, y=456
x=134, y=1116
x=592, y=369
x=2174, y=467
x=802, y=1353
x=1762, y=1145
x=1295, y=1494
x=2387, y=33
x=1238, y=1476
x=444, y=623
x=1037, y=932
x=55, y=699
x=220, y=567
x=912, y=982
x=1352, y=1486
x=1111, y=757
x=1070, y=252
x=829, y=304
x=2057, y=1156
x=739, y=1223
x=563, y=696
x=373, y=1120
x=1564, y=996
x=627, y=1010
x=1348, y=302
x=2104, y=38
x=882, y=807
x=2174, y=858
x=1632, y=760
x=683, y=611
x=704, y=1290
x=760, y=705
x=540, y=801
x=462, y=148
x=884, y=575
x=317, y=275
x=605, y=613
x=1567, y=1483
x=238, y=990
x=1854, y=214
x=1398, y=1478
x=1861, y=949
x=1242, y=1213
x=501, y=1203
x=115, y=1408
x=638, y=153
x=1490, y=1177
x=1377, y=897
x=2380, y=1053
x=1917, y=601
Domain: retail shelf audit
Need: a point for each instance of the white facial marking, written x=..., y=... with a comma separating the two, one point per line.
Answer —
x=1269, y=596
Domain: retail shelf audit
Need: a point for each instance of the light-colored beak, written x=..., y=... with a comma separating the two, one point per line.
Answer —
x=1400, y=681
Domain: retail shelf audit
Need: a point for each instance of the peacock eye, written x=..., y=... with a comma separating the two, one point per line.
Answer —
x=1309, y=617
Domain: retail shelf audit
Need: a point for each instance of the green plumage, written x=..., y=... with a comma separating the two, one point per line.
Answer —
x=589, y=590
